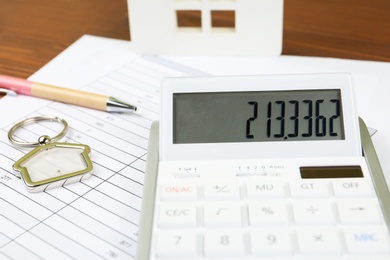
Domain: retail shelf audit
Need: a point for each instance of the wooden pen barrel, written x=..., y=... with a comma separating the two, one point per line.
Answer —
x=70, y=96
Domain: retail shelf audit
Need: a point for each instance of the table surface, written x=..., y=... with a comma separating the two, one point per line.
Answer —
x=32, y=32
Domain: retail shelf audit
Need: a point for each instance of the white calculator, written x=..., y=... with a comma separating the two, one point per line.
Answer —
x=273, y=167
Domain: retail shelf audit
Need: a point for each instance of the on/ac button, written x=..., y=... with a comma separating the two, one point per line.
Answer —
x=178, y=191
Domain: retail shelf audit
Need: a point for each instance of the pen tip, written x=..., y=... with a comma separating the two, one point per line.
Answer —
x=116, y=105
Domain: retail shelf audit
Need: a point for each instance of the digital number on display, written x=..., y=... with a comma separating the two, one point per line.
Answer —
x=261, y=116
x=284, y=119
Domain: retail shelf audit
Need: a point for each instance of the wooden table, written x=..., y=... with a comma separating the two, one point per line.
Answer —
x=32, y=32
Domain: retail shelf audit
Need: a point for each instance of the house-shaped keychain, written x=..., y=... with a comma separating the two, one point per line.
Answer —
x=206, y=27
x=54, y=165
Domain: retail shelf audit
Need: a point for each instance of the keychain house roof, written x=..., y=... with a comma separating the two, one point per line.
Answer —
x=206, y=27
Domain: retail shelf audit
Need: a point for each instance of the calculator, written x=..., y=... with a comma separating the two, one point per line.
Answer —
x=267, y=166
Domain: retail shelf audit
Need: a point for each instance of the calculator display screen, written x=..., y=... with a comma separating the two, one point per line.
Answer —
x=258, y=116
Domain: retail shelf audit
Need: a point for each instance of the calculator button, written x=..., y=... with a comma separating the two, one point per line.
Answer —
x=265, y=190
x=352, y=188
x=362, y=211
x=176, y=243
x=270, y=242
x=309, y=212
x=319, y=241
x=309, y=190
x=222, y=214
x=223, y=243
x=172, y=214
x=367, y=240
x=178, y=192
x=221, y=191
x=270, y=212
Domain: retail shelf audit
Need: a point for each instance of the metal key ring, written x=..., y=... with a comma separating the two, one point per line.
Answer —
x=44, y=139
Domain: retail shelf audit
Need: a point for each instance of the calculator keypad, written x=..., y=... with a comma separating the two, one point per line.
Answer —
x=271, y=218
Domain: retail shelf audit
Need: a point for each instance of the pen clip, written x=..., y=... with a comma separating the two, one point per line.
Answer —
x=7, y=92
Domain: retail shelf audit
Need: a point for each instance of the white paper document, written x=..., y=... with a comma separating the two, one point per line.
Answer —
x=98, y=217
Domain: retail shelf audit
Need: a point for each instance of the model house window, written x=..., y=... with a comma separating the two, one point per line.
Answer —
x=223, y=19
x=205, y=15
x=189, y=18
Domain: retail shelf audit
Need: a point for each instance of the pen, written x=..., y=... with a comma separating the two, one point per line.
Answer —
x=65, y=95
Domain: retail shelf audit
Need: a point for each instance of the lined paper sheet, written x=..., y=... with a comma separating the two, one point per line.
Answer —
x=97, y=218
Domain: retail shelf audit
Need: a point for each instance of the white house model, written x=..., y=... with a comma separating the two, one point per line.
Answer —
x=194, y=27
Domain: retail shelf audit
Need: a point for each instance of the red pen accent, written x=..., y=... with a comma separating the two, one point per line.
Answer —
x=20, y=86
